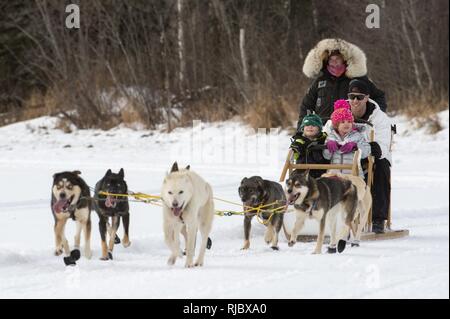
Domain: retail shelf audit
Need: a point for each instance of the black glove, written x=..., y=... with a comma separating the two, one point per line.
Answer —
x=296, y=136
x=375, y=150
x=298, y=147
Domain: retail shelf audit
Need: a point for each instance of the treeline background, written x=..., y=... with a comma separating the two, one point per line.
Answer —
x=171, y=61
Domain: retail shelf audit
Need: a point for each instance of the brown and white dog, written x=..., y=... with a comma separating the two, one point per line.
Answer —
x=254, y=192
x=362, y=209
x=323, y=199
x=71, y=199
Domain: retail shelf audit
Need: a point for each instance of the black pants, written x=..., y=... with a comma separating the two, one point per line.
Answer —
x=381, y=189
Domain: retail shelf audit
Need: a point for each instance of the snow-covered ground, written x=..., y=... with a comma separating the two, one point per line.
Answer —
x=31, y=152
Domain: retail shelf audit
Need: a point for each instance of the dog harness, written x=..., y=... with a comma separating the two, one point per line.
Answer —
x=307, y=209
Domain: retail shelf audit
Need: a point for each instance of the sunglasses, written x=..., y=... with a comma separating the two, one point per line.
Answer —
x=359, y=97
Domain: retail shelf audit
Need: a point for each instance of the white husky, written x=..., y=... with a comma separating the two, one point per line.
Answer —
x=187, y=205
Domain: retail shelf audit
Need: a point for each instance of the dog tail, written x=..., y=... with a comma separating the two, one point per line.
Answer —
x=351, y=203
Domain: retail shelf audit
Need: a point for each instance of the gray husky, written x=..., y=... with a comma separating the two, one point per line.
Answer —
x=254, y=192
x=322, y=198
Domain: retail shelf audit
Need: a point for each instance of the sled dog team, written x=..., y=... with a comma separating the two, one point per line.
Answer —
x=188, y=207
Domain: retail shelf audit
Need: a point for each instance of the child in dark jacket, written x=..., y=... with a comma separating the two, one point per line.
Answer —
x=308, y=144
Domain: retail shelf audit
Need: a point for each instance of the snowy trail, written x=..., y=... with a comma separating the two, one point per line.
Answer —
x=412, y=267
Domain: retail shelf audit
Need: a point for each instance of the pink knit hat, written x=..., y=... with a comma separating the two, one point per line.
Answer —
x=341, y=104
x=341, y=113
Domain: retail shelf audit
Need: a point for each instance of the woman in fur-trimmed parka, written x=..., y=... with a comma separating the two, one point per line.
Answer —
x=333, y=63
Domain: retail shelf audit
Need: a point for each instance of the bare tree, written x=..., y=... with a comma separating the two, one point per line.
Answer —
x=210, y=59
x=181, y=47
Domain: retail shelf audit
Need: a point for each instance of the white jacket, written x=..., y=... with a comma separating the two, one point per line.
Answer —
x=382, y=126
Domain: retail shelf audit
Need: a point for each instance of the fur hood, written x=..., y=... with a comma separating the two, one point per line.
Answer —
x=354, y=56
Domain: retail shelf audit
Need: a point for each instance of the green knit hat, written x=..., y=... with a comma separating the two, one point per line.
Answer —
x=311, y=119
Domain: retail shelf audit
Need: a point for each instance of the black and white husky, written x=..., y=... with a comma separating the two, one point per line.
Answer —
x=323, y=199
x=109, y=205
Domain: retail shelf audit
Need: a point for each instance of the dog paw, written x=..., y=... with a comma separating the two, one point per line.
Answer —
x=69, y=261
x=291, y=243
x=171, y=260
x=88, y=254
x=316, y=252
x=58, y=252
x=126, y=244
x=199, y=264
x=107, y=257
x=189, y=265
x=331, y=250
x=246, y=245
x=275, y=248
x=75, y=254
x=341, y=245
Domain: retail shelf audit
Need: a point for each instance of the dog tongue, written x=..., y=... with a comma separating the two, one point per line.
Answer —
x=60, y=205
x=110, y=202
x=176, y=211
x=292, y=198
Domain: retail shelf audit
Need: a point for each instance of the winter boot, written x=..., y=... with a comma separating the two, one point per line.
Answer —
x=378, y=226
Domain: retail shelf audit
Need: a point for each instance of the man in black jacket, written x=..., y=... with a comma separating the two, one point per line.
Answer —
x=333, y=63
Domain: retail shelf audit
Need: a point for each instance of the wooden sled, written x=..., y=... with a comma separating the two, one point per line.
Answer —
x=367, y=234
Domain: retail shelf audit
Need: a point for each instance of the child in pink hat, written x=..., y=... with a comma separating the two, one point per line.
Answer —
x=344, y=138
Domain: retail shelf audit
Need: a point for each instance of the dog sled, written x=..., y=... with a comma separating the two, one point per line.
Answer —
x=367, y=234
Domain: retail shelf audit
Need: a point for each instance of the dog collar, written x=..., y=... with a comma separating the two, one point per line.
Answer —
x=309, y=209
